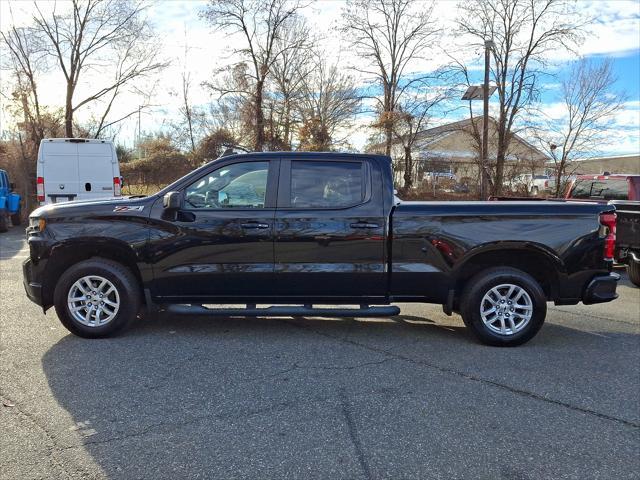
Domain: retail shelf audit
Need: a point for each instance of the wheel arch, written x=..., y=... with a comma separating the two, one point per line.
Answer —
x=65, y=255
x=536, y=260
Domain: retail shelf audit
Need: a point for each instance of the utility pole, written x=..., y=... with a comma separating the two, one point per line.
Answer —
x=477, y=92
x=488, y=44
x=139, y=133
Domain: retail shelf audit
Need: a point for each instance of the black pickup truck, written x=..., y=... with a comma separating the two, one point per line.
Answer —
x=283, y=229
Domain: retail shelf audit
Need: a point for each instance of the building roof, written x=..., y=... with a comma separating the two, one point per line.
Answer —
x=608, y=157
x=432, y=135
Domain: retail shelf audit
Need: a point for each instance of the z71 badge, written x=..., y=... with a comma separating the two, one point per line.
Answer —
x=129, y=208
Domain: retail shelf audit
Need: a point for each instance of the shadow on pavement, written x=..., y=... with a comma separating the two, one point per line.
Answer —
x=259, y=398
x=12, y=243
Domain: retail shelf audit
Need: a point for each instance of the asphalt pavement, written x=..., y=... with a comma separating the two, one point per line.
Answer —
x=414, y=396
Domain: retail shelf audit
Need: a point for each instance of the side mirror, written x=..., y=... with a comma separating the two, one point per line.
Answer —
x=12, y=186
x=172, y=201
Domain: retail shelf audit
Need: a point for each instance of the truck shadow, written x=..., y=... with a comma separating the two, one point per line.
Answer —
x=188, y=397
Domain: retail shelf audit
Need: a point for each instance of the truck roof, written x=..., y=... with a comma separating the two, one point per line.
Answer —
x=606, y=176
x=307, y=155
x=75, y=140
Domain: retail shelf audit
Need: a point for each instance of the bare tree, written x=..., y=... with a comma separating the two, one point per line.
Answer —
x=524, y=32
x=389, y=35
x=261, y=24
x=188, y=125
x=290, y=71
x=329, y=103
x=411, y=118
x=589, y=106
x=94, y=34
x=26, y=63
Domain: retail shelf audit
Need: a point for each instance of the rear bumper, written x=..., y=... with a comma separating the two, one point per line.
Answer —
x=32, y=281
x=601, y=288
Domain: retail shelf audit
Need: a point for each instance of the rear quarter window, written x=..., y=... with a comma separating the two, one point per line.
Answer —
x=610, y=189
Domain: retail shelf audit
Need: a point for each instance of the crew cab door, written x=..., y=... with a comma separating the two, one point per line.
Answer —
x=220, y=244
x=329, y=230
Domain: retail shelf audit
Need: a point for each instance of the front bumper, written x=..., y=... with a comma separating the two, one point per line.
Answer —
x=601, y=288
x=32, y=281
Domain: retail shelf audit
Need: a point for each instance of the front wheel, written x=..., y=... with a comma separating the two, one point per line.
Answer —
x=503, y=307
x=97, y=298
x=633, y=269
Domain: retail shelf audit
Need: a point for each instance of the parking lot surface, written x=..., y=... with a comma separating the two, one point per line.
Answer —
x=412, y=396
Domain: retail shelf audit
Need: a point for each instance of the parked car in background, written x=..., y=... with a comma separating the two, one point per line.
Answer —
x=77, y=169
x=622, y=191
x=440, y=175
x=9, y=203
x=305, y=228
x=533, y=184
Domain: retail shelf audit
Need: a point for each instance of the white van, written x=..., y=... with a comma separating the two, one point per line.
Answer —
x=77, y=169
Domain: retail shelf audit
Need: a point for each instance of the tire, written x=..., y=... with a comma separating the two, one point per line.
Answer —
x=16, y=219
x=490, y=289
x=4, y=221
x=535, y=191
x=125, y=293
x=633, y=269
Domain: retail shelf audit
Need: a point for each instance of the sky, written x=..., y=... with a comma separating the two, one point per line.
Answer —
x=614, y=34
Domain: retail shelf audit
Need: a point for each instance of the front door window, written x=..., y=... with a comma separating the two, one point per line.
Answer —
x=239, y=185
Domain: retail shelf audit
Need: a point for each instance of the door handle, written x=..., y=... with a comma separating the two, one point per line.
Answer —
x=254, y=225
x=364, y=225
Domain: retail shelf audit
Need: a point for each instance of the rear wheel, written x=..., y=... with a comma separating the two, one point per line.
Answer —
x=503, y=307
x=16, y=219
x=97, y=298
x=4, y=221
x=633, y=269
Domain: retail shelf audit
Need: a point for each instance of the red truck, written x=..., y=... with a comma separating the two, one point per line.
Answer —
x=623, y=191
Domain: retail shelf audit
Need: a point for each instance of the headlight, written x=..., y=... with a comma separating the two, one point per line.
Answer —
x=37, y=224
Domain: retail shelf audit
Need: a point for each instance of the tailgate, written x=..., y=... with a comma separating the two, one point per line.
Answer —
x=628, y=224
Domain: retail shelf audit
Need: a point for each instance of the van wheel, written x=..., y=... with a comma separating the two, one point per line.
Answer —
x=16, y=219
x=535, y=191
x=633, y=269
x=97, y=298
x=503, y=307
x=4, y=221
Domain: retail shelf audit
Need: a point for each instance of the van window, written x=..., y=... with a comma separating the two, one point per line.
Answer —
x=317, y=184
x=610, y=189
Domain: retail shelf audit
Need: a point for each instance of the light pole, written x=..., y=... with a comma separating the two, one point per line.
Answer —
x=488, y=45
x=477, y=92
x=483, y=92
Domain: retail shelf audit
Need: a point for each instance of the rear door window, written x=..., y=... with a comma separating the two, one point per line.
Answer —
x=322, y=184
x=610, y=189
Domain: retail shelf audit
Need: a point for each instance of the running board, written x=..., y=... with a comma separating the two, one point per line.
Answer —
x=285, y=311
